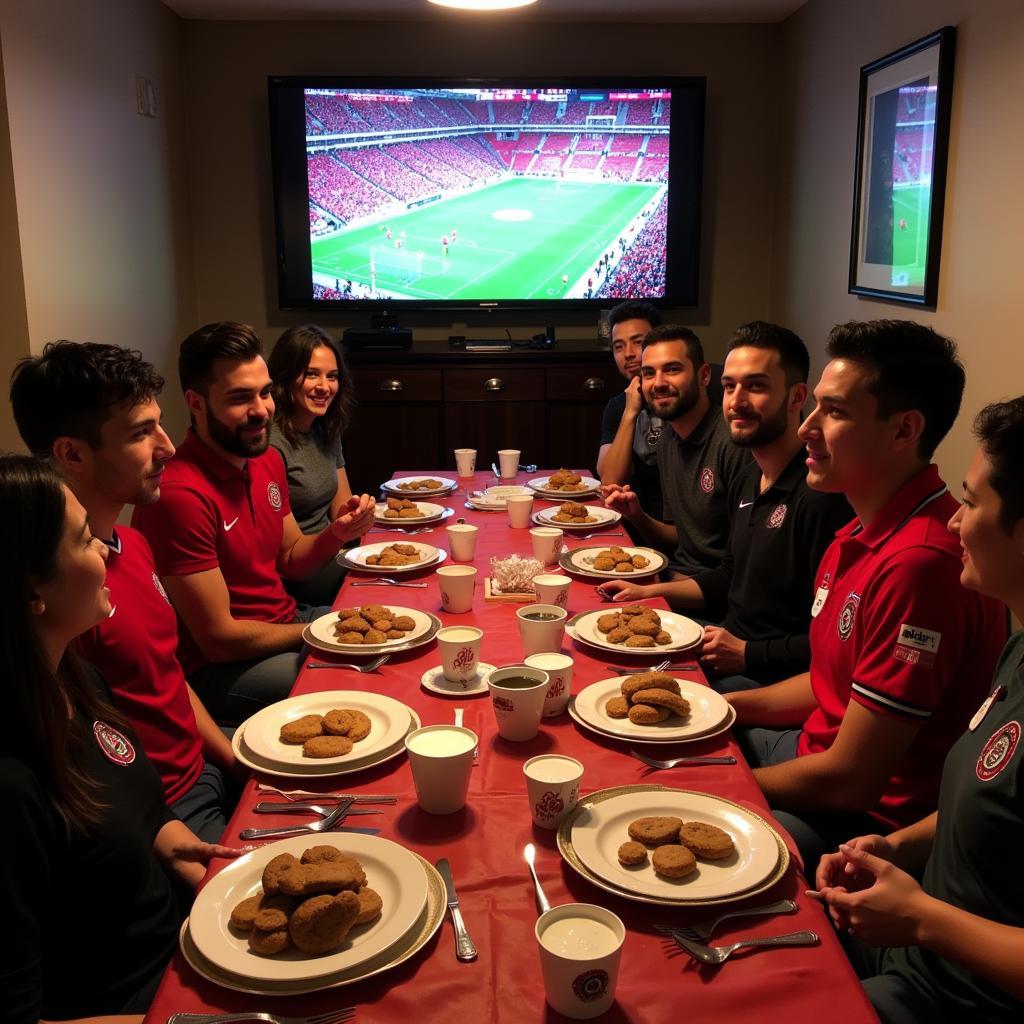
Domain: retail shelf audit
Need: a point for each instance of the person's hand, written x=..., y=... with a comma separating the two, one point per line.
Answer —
x=837, y=871
x=355, y=518
x=721, y=652
x=634, y=398
x=887, y=912
x=622, y=498
x=191, y=857
x=619, y=591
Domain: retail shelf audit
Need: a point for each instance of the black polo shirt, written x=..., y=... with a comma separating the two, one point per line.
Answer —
x=766, y=579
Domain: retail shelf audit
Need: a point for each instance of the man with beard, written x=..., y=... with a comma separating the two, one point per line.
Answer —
x=780, y=527
x=697, y=463
x=223, y=533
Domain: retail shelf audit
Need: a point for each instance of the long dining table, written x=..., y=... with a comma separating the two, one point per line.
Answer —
x=484, y=844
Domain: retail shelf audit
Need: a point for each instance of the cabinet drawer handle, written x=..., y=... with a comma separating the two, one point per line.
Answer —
x=593, y=384
x=392, y=385
x=494, y=384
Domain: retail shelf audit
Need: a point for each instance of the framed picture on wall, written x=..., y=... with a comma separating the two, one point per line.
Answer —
x=900, y=180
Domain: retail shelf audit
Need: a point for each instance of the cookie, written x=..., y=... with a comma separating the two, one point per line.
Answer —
x=632, y=853
x=361, y=725
x=663, y=637
x=672, y=861
x=617, y=707
x=275, y=868
x=302, y=729
x=707, y=841
x=639, y=714
x=337, y=722
x=370, y=905
x=243, y=916
x=618, y=635
x=656, y=830
x=273, y=913
x=323, y=877
x=663, y=699
x=269, y=943
x=321, y=924
x=321, y=855
x=327, y=746
x=606, y=623
x=639, y=640
x=648, y=680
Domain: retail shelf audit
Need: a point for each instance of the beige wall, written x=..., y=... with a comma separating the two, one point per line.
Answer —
x=227, y=64
x=980, y=287
x=98, y=191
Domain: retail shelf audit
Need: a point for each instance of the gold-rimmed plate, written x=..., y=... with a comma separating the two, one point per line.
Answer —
x=584, y=489
x=580, y=562
x=391, y=647
x=401, y=487
x=684, y=633
x=429, y=513
x=597, y=515
x=653, y=739
x=426, y=555
x=322, y=630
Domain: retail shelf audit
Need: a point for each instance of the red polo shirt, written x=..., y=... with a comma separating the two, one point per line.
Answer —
x=213, y=516
x=134, y=648
x=898, y=634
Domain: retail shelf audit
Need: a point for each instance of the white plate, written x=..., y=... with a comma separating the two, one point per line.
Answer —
x=330, y=647
x=492, y=499
x=429, y=513
x=322, y=630
x=355, y=558
x=434, y=681
x=602, y=827
x=395, y=487
x=389, y=717
x=581, y=562
x=391, y=870
x=602, y=517
x=685, y=633
x=587, y=485
x=653, y=739
x=708, y=710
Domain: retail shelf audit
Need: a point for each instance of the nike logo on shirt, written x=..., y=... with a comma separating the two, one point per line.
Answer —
x=227, y=526
x=746, y=504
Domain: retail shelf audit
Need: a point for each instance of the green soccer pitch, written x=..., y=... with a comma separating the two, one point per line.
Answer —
x=514, y=240
x=910, y=244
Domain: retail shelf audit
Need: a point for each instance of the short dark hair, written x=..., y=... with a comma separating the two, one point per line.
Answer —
x=289, y=360
x=70, y=390
x=793, y=356
x=999, y=428
x=633, y=309
x=226, y=339
x=674, y=332
x=911, y=366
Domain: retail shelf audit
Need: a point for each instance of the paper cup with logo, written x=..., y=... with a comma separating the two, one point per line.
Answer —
x=508, y=463
x=541, y=628
x=580, y=951
x=465, y=461
x=441, y=758
x=547, y=543
x=517, y=708
x=460, y=652
x=520, y=508
x=456, y=583
x=559, y=668
x=552, y=588
x=552, y=787
x=462, y=541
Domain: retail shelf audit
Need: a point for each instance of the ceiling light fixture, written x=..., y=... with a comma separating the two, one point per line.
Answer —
x=483, y=5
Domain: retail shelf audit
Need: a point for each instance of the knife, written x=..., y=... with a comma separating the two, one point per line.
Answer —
x=494, y=467
x=275, y=807
x=464, y=948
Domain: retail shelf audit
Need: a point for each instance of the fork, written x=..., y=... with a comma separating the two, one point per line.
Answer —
x=297, y=807
x=681, y=762
x=395, y=529
x=387, y=581
x=323, y=825
x=597, y=533
x=719, y=954
x=703, y=930
x=633, y=669
x=369, y=667
x=339, y=1016
x=359, y=798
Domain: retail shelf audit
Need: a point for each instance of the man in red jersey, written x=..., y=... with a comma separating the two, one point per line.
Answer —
x=92, y=412
x=223, y=533
x=901, y=654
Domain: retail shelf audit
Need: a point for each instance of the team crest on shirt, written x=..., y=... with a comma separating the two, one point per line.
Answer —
x=844, y=624
x=115, y=745
x=777, y=518
x=274, y=496
x=998, y=751
x=160, y=588
x=707, y=480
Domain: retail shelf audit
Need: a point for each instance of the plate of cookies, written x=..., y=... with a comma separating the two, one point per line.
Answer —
x=635, y=628
x=612, y=562
x=564, y=484
x=372, y=628
x=494, y=499
x=391, y=557
x=571, y=515
x=416, y=487
x=301, y=909
x=402, y=511
x=651, y=707
x=672, y=845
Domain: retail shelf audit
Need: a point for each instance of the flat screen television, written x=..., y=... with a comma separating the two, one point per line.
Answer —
x=477, y=194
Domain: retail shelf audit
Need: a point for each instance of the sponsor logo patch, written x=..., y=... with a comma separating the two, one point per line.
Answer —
x=844, y=624
x=707, y=480
x=274, y=496
x=777, y=518
x=920, y=638
x=998, y=752
x=115, y=745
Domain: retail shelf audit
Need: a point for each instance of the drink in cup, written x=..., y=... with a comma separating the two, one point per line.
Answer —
x=460, y=652
x=520, y=508
x=462, y=541
x=552, y=787
x=456, y=583
x=441, y=757
x=541, y=628
x=552, y=588
x=517, y=697
x=559, y=668
x=465, y=461
x=547, y=544
x=508, y=463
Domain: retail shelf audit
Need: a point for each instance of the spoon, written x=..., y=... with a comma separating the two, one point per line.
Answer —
x=543, y=906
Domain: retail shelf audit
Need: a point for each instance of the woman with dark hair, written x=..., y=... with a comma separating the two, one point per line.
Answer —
x=952, y=946
x=92, y=855
x=313, y=401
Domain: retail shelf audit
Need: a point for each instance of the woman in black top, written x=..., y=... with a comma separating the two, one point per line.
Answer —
x=91, y=849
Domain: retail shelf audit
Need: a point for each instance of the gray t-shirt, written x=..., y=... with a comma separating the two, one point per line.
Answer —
x=646, y=431
x=696, y=476
x=312, y=476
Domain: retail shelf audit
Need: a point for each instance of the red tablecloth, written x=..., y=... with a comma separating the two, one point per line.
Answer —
x=484, y=843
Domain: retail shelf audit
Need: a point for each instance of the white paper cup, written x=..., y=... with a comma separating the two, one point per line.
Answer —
x=517, y=710
x=540, y=634
x=460, y=652
x=508, y=463
x=441, y=757
x=552, y=787
x=520, y=508
x=547, y=544
x=456, y=583
x=580, y=951
x=559, y=669
x=462, y=541
x=465, y=461
x=552, y=588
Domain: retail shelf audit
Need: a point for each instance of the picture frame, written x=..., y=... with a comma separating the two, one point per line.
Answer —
x=900, y=176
